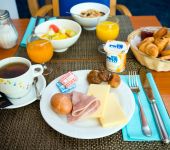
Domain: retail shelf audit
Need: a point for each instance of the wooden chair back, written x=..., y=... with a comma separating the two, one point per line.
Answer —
x=59, y=7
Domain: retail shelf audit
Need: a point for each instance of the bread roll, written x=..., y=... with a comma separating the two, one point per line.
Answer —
x=61, y=103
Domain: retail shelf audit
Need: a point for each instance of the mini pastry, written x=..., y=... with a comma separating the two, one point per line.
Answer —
x=149, y=39
x=114, y=80
x=167, y=57
x=104, y=75
x=165, y=52
x=161, y=43
x=168, y=37
x=143, y=45
x=152, y=50
x=160, y=33
x=93, y=77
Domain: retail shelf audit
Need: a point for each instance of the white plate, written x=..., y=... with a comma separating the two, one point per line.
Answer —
x=89, y=128
x=31, y=96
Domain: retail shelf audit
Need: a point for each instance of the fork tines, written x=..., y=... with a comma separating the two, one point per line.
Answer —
x=133, y=79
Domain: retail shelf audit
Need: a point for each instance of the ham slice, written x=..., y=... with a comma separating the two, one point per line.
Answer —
x=83, y=105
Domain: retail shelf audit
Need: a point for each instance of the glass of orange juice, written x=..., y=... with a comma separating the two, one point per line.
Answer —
x=40, y=51
x=108, y=30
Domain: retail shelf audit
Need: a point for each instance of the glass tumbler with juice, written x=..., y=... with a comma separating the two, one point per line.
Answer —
x=40, y=51
x=108, y=30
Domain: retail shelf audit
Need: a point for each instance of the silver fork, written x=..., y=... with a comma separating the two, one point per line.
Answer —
x=133, y=84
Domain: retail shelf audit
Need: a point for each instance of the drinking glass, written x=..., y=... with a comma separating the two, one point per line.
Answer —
x=108, y=30
x=40, y=51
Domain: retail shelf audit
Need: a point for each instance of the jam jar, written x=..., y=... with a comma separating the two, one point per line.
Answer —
x=8, y=32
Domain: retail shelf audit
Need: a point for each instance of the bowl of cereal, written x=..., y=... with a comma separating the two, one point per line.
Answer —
x=89, y=14
x=62, y=33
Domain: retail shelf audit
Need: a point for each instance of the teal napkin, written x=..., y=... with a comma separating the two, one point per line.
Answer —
x=30, y=29
x=132, y=131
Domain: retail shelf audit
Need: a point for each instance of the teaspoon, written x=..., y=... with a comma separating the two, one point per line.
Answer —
x=38, y=96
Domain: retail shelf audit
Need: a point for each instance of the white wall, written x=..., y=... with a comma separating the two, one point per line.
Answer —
x=10, y=5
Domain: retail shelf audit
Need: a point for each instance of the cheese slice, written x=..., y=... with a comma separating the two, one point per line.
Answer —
x=100, y=91
x=113, y=113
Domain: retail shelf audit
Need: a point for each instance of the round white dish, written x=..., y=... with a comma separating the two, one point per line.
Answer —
x=89, y=23
x=88, y=128
x=63, y=44
x=30, y=97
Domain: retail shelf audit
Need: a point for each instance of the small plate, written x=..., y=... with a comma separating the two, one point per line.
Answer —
x=31, y=96
x=85, y=128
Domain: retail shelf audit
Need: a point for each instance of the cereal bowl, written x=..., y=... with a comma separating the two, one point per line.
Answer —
x=152, y=63
x=86, y=22
x=60, y=45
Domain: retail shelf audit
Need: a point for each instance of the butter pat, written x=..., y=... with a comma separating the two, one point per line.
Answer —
x=100, y=91
x=113, y=113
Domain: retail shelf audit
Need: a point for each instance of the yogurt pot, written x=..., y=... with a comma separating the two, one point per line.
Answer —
x=116, y=55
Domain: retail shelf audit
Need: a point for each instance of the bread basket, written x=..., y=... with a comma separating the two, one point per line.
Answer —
x=157, y=64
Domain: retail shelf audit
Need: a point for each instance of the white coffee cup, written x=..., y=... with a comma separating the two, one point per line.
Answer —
x=19, y=86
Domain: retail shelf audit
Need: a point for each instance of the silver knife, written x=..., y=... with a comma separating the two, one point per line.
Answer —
x=157, y=116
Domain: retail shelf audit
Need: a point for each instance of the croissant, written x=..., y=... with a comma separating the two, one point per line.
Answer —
x=160, y=33
x=165, y=53
x=152, y=50
x=143, y=45
x=167, y=57
x=168, y=37
x=161, y=43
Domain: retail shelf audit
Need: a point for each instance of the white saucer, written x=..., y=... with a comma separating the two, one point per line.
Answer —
x=31, y=96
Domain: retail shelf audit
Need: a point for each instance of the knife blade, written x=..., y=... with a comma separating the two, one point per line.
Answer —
x=150, y=96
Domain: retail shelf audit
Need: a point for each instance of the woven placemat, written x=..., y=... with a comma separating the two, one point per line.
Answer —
x=87, y=45
x=24, y=128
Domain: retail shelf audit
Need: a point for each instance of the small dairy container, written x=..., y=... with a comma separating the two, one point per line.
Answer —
x=116, y=55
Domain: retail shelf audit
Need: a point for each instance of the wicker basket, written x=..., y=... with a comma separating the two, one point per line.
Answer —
x=150, y=62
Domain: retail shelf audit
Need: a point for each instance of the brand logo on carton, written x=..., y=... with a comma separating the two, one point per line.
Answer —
x=113, y=59
x=118, y=46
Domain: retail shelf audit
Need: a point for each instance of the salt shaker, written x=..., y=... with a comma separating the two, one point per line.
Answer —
x=8, y=33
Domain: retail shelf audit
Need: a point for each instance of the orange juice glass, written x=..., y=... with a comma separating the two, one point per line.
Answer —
x=108, y=30
x=40, y=51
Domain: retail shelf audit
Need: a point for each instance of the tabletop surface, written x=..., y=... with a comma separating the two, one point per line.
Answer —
x=161, y=78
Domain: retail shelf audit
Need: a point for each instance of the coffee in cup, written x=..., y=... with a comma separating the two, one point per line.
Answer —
x=16, y=76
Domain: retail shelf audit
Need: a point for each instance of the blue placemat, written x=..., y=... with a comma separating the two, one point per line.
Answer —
x=30, y=28
x=132, y=131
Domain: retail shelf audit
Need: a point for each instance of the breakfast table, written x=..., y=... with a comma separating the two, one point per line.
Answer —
x=25, y=128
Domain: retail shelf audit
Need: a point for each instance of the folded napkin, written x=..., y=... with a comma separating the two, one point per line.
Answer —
x=30, y=29
x=132, y=131
x=4, y=102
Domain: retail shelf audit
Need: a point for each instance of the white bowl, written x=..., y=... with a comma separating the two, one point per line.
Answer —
x=89, y=23
x=64, y=44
